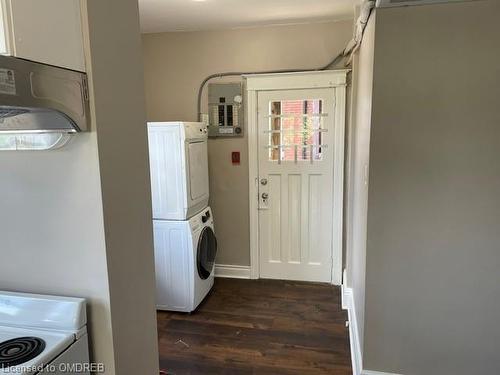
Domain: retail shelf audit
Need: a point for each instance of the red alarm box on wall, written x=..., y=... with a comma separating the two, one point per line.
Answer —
x=235, y=157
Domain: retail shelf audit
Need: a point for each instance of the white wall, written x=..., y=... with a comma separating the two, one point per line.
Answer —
x=358, y=162
x=52, y=235
x=175, y=65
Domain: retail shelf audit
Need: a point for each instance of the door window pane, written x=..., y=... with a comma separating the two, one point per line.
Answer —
x=295, y=128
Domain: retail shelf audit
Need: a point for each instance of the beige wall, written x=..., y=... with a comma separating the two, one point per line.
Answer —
x=52, y=235
x=357, y=167
x=432, y=279
x=175, y=65
x=76, y=221
x=120, y=117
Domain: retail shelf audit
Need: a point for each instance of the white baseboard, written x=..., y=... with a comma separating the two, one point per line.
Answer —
x=232, y=271
x=356, y=357
x=348, y=304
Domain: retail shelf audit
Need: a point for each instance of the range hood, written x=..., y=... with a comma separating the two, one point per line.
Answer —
x=41, y=106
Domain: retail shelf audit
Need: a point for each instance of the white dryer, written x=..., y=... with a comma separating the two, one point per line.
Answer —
x=179, y=169
x=184, y=261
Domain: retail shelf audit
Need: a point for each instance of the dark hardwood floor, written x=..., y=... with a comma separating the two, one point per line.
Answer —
x=258, y=327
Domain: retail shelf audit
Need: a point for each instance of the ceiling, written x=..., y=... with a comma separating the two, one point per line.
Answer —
x=191, y=15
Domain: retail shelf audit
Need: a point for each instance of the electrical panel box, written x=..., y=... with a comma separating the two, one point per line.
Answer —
x=225, y=106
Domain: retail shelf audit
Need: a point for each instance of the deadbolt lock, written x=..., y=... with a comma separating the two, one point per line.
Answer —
x=263, y=181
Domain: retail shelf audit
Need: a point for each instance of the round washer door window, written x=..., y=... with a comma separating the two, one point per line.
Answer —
x=207, y=250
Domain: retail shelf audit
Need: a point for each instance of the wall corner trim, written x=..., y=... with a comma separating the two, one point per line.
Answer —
x=232, y=271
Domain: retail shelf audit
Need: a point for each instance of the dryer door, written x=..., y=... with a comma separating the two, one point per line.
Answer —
x=206, y=253
x=198, y=170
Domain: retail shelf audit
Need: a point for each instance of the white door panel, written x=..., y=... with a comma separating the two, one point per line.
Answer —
x=295, y=152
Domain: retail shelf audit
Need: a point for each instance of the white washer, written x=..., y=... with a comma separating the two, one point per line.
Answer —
x=41, y=333
x=185, y=261
x=179, y=169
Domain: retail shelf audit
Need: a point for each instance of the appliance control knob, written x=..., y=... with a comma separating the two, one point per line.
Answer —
x=205, y=217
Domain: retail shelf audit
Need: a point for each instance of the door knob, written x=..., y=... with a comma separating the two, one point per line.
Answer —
x=265, y=196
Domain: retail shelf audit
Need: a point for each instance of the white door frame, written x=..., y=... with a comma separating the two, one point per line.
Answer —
x=334, y=79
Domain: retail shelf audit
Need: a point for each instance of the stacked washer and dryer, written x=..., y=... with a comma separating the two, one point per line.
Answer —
x=184, y=239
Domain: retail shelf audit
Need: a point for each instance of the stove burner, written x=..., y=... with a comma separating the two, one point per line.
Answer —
x=20, y=350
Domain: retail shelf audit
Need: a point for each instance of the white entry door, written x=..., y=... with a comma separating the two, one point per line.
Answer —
x=295, y=166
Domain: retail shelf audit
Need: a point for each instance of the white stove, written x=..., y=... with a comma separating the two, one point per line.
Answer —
x=42, y=334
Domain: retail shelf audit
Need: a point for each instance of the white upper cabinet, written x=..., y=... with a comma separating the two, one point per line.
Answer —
x=46, y=31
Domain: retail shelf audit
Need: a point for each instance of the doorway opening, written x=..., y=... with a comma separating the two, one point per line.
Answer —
x=296, y=126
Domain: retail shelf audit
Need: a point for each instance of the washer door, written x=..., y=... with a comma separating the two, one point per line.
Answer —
x=207, y=250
